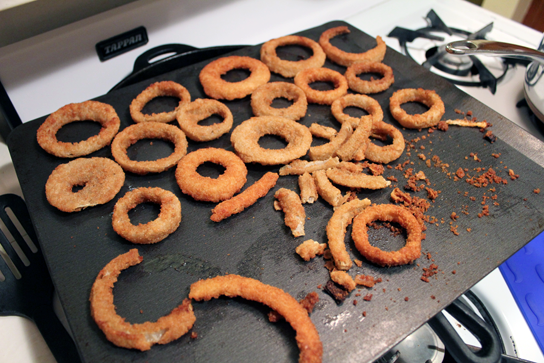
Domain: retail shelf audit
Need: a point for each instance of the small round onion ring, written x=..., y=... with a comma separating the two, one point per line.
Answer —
x=157, y=89
x=307, y=336
x=245, y=140
x=286, y=68
x=101, y=179
x=216, y=87
x=84, y=111
x=346, y=58
x=190, y=114
x=134, y=336
x=364, y=102
x=388, y=153
x=262, y=97
x=304, y=78
x=151, y=232
x=211, y=189
x=418, y=121
x=373, y=86
x=387, y=213
x=148, y=130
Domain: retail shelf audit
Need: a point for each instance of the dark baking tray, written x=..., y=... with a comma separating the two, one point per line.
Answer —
x=257, y=244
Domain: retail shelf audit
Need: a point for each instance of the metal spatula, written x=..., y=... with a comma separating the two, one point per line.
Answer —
x=26, y=288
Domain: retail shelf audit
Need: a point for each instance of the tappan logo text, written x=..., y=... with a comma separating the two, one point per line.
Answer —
x=122, y=43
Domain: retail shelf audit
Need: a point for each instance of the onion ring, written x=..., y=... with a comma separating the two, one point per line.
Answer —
x=356, y=180
x=216, y=87
x=327, y=190
x=245, y=140
x=324, y=132
x=190, y=114
x=287, y=68
x=101, y=179
x=295, y=217
x=388, y=153
x=304, y=78
x=311, y=348
x=154, y=231
x=308, y=189
x=88, y=110
x=375, y=85
x=387, y=213
x=134, y=336
x=262, y=97
x=211, y=189
x=245, y=199
x=148, y=130
x=157, y=89
x=328, y=150
x=418, y=121
x=370, y=105
x=346, y=58
x=336, y=231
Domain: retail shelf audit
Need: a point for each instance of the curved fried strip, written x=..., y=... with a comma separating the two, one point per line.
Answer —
x=336, y=231
x=429, y=98
x=295, y=216
x=134, y=336
x=357, y=180
x=299, y=167
x=327, y=190
x=311, y=349
x=321, y=131
x=344, y=279
x=355, y=146
x=328, y=150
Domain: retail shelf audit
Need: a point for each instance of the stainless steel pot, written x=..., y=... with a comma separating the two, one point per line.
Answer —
x=534, y=79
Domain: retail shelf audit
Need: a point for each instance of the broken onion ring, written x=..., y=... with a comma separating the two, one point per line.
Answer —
x=418, y=121
x=373, y=86
x=295, y=217
x=157, y=89
x=356, y=180
x=304, y=78
x=192, y=113
x=262, y=97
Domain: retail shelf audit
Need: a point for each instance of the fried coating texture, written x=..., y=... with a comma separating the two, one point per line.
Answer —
x=295, y=216
x=327, y=190
x=299, y=167
x=357, y=180
x=385, y=154
x=157, y=89
x=373, y=86
x=370, y=105
x=262, y=97
x=429, y=98
x=304, y=78
x=309, y=249
x=328, y=150
x=192, y=113
x=308, y=189
x=343, y=279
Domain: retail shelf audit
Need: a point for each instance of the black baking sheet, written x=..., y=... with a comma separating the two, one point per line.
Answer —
x=257, y=244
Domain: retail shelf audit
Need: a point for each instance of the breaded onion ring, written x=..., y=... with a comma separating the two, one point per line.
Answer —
x=262, y=97
x=304, y=78
x=84, y=111
x=328, y=150
x=373, y=86
x=308, y=189
x=153, y=231
x=101, y=179
x=245, y=140
x=311, y=349
x=336, y=231
x=418, y=121
x=157, y=89
x=192, y=113
x=327, y=190
x=245, y=199
x=357, y=180
x=385, y=154
x=216, y=87
x=321, y=131
x=148, y=130
x=211, y=189
x=295, y=216
x=346, y=59
x=387, y=213
x=134, y=336
x=370, y=105
x=287, y=68
x=299, y=167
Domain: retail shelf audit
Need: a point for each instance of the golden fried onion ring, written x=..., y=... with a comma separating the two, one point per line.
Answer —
x=287, y=68
x=134, y=336
x=211, y=189
x=84, y=111
x=304, y=78
x=311, y=348
x=387, y=213
x=373, y=86
x=192, y=113
x=418, y=121
x=262, y=97
x=370, y=105
x=245, y=140
x=148, y=130
x=153, y=231
x=101, y=179
x=218, y=88
x=345, y=58
x=158, y=89
x=385, y=154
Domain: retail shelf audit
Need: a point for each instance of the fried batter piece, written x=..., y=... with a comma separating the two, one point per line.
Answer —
x=357, y=180
x=289, y=202
x=309, y=249
x=299, y=167
x=327, y=190
x=308, y=189
x=343, y=279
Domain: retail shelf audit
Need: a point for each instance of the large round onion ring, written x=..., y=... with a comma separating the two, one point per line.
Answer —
x=373, y=86
x=418, y=121
x=245, y=140
x=134, y=336
x=345, y=58
x=311, y=349
x=262, y=97
x=287, y=68
x=211, y=189
x=157, y=89
x=154, y=231
x=388, y=153
x=370, y=105
x=387, y=213
x=190, y=114
x=304, y=78
x=101, y=179
x=148, y=130
x=216, y=87
x=84, y=111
